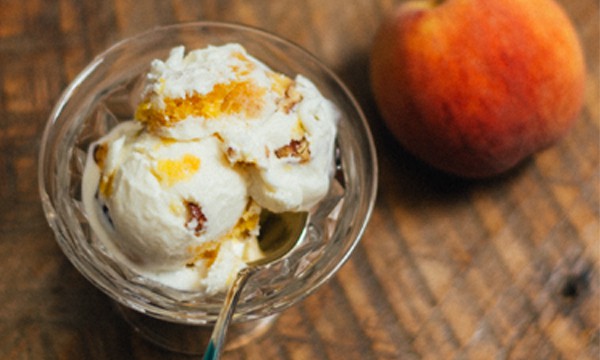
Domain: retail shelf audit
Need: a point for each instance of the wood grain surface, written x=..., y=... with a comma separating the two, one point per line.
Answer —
x=503, y=268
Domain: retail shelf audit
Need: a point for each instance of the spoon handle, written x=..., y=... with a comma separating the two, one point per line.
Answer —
x=217, y=338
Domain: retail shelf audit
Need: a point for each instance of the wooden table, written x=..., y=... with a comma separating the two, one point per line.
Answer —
x=503, y=268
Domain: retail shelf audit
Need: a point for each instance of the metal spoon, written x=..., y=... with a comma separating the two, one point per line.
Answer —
x=279, y=234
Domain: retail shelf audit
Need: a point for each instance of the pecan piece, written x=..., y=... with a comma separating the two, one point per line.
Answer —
x=296, y=148
x=195, y=218
x=290, y=99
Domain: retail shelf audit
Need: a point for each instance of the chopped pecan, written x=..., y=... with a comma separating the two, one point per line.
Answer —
x=290, y=99
x=195, y=218
x=296, y=148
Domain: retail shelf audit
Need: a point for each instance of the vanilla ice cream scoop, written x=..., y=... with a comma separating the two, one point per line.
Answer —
x=281, y=130
x=167, y=198
x=177, y=192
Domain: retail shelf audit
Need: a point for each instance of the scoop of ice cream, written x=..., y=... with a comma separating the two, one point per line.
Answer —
x=294, y=170
x=167, y=198
x=281, y=130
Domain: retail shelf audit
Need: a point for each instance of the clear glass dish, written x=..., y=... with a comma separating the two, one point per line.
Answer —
x=106, y=92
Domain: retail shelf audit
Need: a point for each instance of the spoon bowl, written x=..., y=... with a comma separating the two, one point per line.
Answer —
x=279, y=234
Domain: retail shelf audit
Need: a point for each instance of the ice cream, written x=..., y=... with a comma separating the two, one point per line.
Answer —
x=176, y=192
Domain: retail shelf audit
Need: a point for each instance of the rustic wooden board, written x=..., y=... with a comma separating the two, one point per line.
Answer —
x=505, y=268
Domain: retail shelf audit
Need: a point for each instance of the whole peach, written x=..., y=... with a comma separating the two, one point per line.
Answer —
x=475, y=86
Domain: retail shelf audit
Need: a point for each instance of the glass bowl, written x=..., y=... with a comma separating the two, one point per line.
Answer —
x=107, y=91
